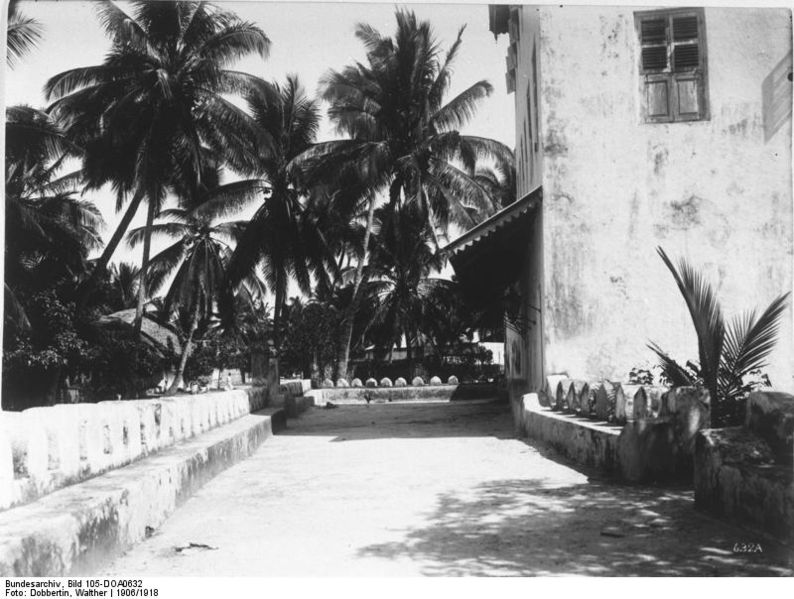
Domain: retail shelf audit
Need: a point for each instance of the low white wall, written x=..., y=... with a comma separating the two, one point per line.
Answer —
x=43, y=449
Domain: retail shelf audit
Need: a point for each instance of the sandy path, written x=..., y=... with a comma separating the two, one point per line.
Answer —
x=444, y=489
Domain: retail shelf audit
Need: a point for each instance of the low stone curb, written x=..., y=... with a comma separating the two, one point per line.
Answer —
x=74, y=530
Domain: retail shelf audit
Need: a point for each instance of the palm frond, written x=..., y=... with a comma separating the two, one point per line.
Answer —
x=706, y=316
x=672, y=370
x=750, y=340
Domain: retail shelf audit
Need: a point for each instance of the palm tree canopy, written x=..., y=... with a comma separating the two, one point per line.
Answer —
x=282, y=239
x=195, y=261
x=155, y=110
x=22, y=35
x=400, y=287
x=403, y=136
x=48, y=229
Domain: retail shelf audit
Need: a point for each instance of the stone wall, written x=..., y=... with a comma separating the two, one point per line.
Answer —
x=745, y=474
x=43, y=449
x=637, y=433
x=360, y=395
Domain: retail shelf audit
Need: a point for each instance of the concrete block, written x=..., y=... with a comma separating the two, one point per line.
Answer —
x=453, y=380
x=400, y=382
x=340, y=383
x=356, y=382
x=327, y=384
x=418, y=381
x=385, y=382
x=771, y=417
x=435, y=381
x=371, y=383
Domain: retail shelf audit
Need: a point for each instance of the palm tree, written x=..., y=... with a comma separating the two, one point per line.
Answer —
x=403, y=138
x=282, y=238
x=500, y=181
x=727, y=353
x=195, y=264
x=153, y=112
x=400, y=288
x=49, y=232
x=23, y=33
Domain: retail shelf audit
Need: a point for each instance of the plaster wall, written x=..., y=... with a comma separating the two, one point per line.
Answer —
x=717, y=192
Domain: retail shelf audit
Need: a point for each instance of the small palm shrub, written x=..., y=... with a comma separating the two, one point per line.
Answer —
x=731, y=356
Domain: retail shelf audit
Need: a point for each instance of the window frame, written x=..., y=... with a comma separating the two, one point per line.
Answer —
x=697, y=76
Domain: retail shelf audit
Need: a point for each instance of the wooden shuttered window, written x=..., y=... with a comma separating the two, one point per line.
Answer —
x=673, y=74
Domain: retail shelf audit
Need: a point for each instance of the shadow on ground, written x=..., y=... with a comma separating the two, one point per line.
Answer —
x=407, y=420
x=526, y=527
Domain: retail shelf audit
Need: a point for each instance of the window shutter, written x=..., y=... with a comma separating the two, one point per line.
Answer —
x=688, y=71
x=672, y=65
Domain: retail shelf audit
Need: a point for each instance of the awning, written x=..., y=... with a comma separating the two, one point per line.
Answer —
x=490, y=257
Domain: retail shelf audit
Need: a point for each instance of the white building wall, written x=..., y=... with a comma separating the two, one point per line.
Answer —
x=717, y=192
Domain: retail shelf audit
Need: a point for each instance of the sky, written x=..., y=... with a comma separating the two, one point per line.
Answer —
x=306, y=38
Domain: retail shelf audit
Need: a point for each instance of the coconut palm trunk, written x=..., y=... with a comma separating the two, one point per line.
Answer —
x=102, y=263
x=147, y=246
x=188, y=347
x=352, y=309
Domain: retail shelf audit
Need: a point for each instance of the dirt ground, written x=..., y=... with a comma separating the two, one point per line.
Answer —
x=426, y=490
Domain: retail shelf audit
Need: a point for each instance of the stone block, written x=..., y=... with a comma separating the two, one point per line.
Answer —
x=624, y=402
x=573, y=399
x=587, y=399
x=356, y=382
x=647, y=452
x=453, y=380
x=550, y=387
x=561, y=395
x=400, y=382
x=605, y=402
x=435, y=381
x=418, y=381
x=370, y=382
x=641, y=409
x=327, y=384
x=342, y=383
x=386, y=382
x=771, y=416
x=737, y=478
x=690, y=408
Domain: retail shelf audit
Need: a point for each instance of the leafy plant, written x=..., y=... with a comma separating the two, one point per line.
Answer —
x=728, y=354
